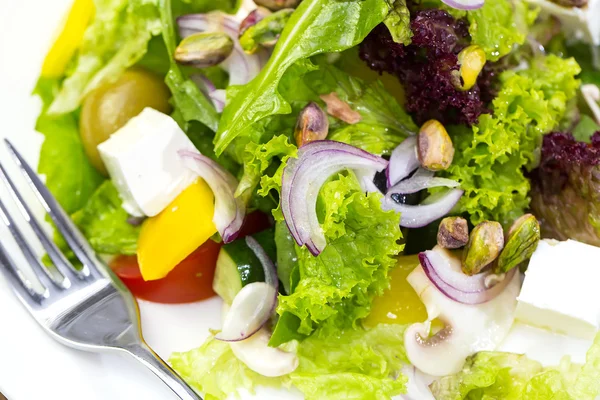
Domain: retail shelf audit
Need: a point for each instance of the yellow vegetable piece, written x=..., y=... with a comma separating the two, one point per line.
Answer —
x=399, y=304
x=69, y=39
x=169, y=237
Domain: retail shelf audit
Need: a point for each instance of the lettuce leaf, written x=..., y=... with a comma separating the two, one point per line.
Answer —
x=499, y=26
x=104, y=223
x=187, y=99
x=117, y=38
x=384, y=124
x=214, y=370
x=489, y=162
x=336, y=288
x=313, y=28
x=258, y=157
x=507, y=376
x=398, y=22
x=357, y=364
x=69, y=175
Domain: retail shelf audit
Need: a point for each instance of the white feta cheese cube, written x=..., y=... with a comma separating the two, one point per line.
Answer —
x=561, y=291
x=580, y=23
x=142, y=159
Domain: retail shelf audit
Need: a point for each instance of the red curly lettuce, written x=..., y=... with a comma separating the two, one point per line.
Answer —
x=565, y=192
x=425, y=68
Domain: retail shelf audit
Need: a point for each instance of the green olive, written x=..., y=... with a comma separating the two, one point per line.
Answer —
x=109, y=107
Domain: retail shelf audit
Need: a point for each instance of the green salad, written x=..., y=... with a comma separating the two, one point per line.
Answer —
x=378, y=190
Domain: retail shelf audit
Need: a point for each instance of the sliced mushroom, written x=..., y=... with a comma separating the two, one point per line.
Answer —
x=468, y=328
x=259, y=357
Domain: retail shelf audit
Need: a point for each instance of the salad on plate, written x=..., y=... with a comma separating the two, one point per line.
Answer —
x=378, y=190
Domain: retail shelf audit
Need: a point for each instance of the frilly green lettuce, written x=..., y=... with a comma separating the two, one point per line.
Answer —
x=214, y=370
x=336, y=288
x=490, y=162
x=507, y=376
x=356, y=364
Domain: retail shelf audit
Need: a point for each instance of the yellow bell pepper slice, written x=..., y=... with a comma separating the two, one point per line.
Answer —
x=169, y=237
x=69, y=39
x=399, y=304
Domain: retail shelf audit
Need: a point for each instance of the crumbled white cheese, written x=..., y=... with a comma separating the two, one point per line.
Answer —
x=561, y=291
x=143, y=161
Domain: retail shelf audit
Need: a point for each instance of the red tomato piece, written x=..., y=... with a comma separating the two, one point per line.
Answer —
x=190, y=281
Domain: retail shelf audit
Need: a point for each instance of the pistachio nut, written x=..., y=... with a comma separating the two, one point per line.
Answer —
x=471, y=61
x=523, y=238
x=484, y=246
x=453, y=233
x=275, y=5
x=338, y=108
x=434, y=146
x=312, y=125
x=204, y=49
x=265, y=32
x=253, y=18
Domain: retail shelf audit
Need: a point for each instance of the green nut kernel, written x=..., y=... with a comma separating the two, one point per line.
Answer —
x=453, y=233
x=523, y=238
x=484, y=246
x=265, y=31
x=204, y=49
x=434, y=146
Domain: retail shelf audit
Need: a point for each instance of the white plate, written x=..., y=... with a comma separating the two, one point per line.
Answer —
x=32, y=365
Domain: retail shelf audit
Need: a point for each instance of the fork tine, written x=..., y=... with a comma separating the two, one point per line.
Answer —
x=61, y=220
x=18, y=281
x=59, y=260
x=43, y=274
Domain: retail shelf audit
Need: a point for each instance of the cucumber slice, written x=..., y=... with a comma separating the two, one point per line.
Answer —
x=237, y=265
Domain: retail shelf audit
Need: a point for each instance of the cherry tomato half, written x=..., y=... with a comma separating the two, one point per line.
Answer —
x=190, y=281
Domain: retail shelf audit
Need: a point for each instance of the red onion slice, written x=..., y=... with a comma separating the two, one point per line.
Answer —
x=303, y=178
x=423, y=214
x=242, y=67
x=229, y=210
x=253, y=306
x=443, y=270
x=464, y=4
x=365, y=178
x=403, y=161
x=422, y=179
x=217, y=96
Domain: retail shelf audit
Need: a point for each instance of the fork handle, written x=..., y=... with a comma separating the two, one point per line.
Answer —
x=154, y=363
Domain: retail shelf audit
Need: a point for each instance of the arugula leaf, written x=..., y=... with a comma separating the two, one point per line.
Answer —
x=187, y=99
x=336, y=288
x=398, y=22
x=104, y=223
x=69, y=175
x=117, y=38
x=313, y=28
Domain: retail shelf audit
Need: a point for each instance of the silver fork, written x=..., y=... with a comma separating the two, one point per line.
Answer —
x=88, y=308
